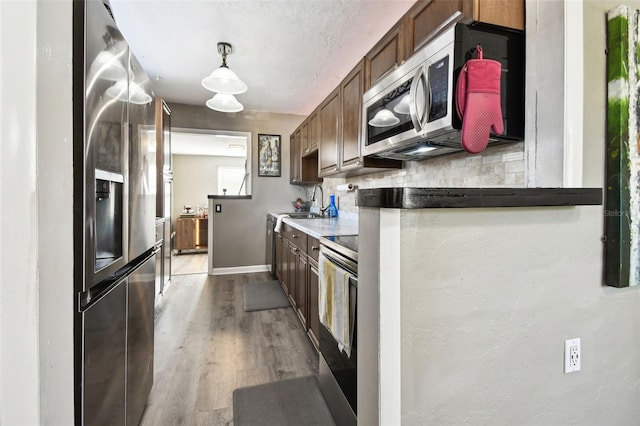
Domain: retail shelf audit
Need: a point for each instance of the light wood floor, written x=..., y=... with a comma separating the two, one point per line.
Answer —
x=206, y=346
x=189, y=263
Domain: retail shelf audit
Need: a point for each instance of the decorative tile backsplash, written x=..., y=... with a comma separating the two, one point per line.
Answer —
x=500, y=166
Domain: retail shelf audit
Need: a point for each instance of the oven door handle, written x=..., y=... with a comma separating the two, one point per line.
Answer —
x=418, y=113
x=341, y=262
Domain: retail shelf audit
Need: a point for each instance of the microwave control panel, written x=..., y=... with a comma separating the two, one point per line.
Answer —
x=439, y=88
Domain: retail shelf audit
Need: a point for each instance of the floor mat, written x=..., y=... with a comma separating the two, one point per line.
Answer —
x=264, y=295
x=288, y=402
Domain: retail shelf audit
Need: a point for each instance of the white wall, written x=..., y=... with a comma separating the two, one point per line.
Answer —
x=195, y=177
x=488, y=298
x=36, y=270
x=55, y=211
x=19, y=367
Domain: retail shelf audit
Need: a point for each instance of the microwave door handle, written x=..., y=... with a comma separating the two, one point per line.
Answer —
x=418, y=118
x=427, y=105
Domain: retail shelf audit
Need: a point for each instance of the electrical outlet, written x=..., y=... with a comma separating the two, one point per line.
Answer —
x=572, y=355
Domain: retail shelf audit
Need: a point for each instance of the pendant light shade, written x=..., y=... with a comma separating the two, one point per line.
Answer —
x=224, y=102
x=223, y=80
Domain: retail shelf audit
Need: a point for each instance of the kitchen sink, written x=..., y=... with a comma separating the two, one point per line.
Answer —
x=304, y=215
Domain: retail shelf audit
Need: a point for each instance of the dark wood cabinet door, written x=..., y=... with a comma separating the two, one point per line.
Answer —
x=284, y=264
x=313, y=131
x=279, y=257
x=426, y=16
x=352, y=89
x=295, y=157
x=304, y=137
x=505, y=13
x=313, y=318
x=329, y=132
x=301, y=288
x=387, y=54
x=292, y=267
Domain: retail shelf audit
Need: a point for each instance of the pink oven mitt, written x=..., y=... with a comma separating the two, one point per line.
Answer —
x=478, y=102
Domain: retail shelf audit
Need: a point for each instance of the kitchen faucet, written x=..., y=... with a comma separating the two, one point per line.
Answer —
x=313, y=196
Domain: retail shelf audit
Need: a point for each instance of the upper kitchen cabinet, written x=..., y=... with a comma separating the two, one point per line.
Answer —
x=294, y=141
x=309, y=130
x=329, y=133
x=304, y=137
x=422, y=20
x=351, y=161
x=387, y=54
x=304, y=163
x=340, y=146
x=352, y=89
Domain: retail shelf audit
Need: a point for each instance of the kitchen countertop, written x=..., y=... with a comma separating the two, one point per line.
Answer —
x=345, y=224
x=425, y=198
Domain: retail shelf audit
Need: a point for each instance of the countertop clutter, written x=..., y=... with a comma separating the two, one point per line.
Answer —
x=345, y=224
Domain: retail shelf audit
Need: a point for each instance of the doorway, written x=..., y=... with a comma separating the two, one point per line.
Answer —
x=205, y=162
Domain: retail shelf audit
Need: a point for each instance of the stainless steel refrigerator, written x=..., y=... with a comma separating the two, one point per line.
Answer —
x=114, y=222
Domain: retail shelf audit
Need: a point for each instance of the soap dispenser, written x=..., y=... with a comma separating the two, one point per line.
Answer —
x=332, y=210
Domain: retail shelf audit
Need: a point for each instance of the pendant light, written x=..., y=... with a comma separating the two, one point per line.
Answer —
x=223, y=80
x=224, y=102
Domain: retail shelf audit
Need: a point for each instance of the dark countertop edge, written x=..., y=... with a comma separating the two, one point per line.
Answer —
x=426, y=198
x=229, y=197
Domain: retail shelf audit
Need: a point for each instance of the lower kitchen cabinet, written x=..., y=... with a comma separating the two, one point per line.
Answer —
x=297, y=271
x=282, y=261
x=302, y=288
x=292, y=262
x=313, y=319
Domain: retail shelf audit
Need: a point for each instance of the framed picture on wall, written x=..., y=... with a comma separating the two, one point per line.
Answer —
x=269, y=163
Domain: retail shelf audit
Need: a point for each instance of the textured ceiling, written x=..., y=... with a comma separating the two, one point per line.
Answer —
x=291, y=54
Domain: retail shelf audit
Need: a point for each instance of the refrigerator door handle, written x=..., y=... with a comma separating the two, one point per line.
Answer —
x=88, y=298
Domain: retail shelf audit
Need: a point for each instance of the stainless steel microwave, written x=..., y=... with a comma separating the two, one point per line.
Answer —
x=410, y=114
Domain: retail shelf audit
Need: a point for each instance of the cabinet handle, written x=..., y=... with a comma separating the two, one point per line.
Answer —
x=295, y=236
x=295, y=249
x=314, y=248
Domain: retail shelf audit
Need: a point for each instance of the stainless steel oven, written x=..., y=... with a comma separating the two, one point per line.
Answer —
x=338, y=364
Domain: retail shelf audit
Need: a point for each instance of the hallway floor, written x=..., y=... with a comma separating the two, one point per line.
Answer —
x=188, y=263
x=206, y=346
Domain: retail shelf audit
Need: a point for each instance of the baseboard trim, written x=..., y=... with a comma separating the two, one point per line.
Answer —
x=239, y=270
